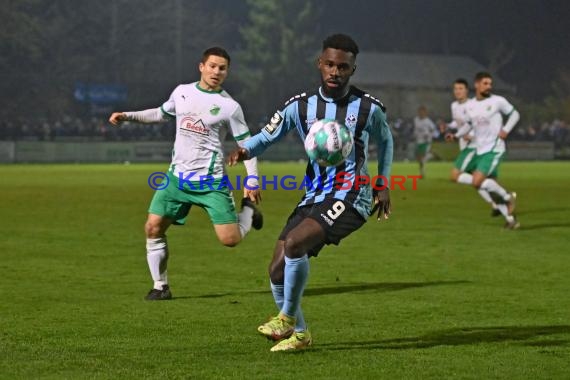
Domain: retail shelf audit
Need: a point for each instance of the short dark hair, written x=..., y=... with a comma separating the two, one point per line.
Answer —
x=462, y=81
x=217, y=51
x=482, y=75
x=341, y=42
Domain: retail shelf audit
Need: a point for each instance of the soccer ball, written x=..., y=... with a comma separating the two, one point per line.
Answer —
x=328, y=142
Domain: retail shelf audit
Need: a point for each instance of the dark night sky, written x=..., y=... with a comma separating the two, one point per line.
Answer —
x=538, y=32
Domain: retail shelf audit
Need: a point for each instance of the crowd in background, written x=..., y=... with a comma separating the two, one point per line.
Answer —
x=77, y=129
x=98, y=129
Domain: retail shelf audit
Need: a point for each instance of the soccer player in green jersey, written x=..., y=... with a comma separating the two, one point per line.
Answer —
x=424, y=129
x=485, y=117
x=204, y=113
x=465, y=161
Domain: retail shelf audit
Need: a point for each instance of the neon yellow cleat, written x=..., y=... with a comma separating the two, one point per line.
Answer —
x=278, y=327
x=298, y=341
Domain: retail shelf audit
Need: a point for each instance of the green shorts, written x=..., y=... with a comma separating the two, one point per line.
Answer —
x=422, y=149
x=465, y=161
x=488, y=163
x=175, y=204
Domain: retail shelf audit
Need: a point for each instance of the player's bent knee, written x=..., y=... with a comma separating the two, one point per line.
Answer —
x=152, y=230
x=477, y=181
x=292, y=248
x=230, y=241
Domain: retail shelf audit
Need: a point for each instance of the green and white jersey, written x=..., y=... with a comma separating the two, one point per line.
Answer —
x=203, y=119
x=485, y=116
x=459, y=116
x=423, y=130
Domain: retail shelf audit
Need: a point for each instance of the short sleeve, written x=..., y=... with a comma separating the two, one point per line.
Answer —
x=168, y=108
x=238, y=126
x=505, y=107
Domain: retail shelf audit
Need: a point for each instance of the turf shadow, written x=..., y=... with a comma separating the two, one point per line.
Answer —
x=526, y=227
x=462, y=336
x=378, y=287
x=542, y=211
x=348, y=288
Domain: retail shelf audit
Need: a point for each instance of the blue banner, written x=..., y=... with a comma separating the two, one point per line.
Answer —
x=101, y=94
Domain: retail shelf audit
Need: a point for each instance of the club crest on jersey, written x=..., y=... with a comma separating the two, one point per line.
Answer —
x=189, y=126
x=271, y=127
x=215, y=109
x=350, y=121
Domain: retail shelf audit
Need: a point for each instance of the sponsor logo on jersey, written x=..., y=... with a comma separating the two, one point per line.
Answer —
x=215, y=109
x=189, y=124
x=481, y=121
x=271, y=127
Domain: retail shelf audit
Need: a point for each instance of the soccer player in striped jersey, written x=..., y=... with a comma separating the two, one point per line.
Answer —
x=204, y=113
x=465, y=161
x=326, y=213
x=485, y=116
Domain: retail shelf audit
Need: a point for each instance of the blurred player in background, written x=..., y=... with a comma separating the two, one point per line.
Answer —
x=465, y=161
x=424, y=129
x=326, y=214
x=204, y=113
x=485, y=117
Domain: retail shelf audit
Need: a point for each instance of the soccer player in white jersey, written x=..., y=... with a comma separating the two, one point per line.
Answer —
x=465, y=161
x=485, y=116
x=204, y=113
x=424, y=129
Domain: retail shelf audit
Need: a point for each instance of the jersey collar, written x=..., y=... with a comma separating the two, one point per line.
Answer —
x=208, y=91
x=332, y=100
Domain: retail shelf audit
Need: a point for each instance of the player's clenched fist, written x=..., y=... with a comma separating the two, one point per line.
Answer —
x=117, y=118
x=236, y=156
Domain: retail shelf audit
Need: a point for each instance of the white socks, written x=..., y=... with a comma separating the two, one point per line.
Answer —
x=493, y=187
x=157, y=258
x=465, y=178
x=487, y=197
x=245, y=218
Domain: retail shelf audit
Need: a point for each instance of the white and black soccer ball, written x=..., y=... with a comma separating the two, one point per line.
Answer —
x=328, y=142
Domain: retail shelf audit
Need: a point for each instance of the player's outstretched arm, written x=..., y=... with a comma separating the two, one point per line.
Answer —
x=117, y=118
x=153, y=115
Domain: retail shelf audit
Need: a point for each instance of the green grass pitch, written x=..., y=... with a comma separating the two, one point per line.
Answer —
x=440, y=291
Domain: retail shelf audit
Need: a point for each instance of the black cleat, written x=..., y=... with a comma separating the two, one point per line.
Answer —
x=257, y=218
x=495, y=212
x=159, y=295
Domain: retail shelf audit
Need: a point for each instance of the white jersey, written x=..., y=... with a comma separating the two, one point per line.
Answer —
x=459, y=116
x=486, y=119
x=423, y=130
x=202, y=122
